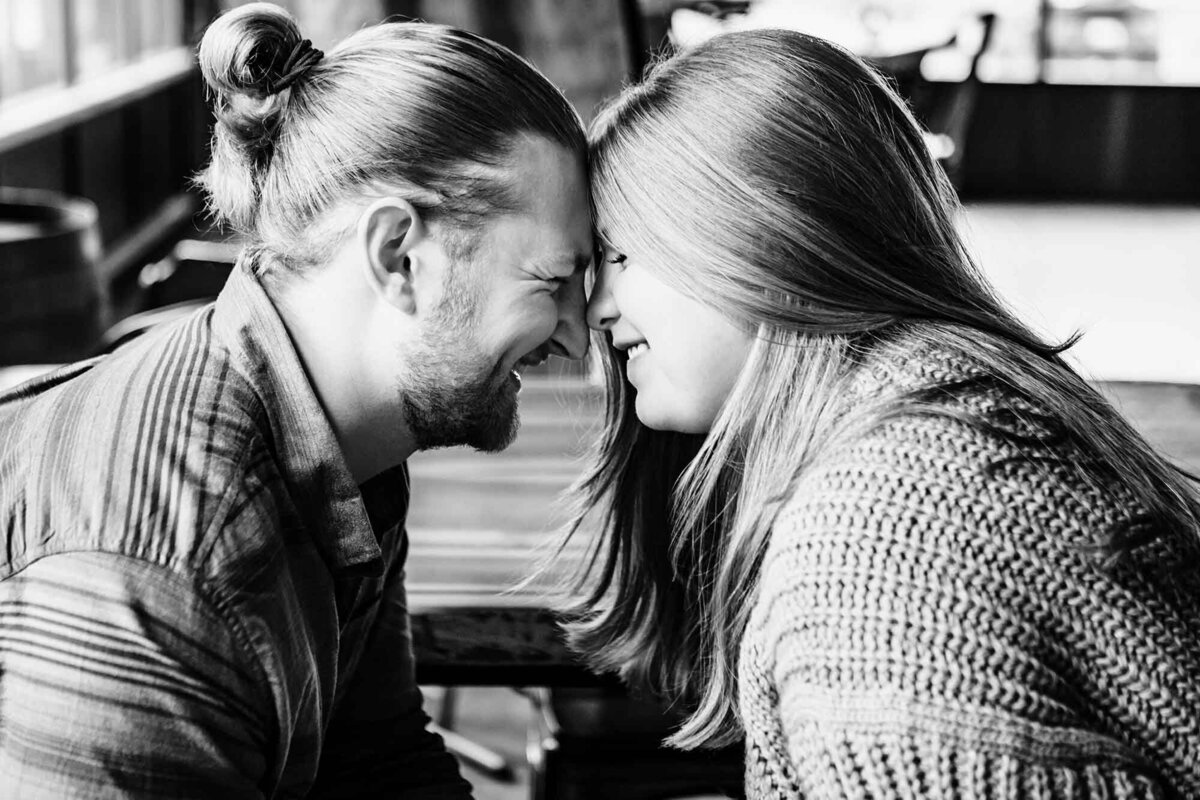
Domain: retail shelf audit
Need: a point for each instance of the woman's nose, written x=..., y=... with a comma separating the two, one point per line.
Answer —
x=602, y=311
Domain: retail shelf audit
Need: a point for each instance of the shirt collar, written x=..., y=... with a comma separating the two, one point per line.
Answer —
x=319, y=481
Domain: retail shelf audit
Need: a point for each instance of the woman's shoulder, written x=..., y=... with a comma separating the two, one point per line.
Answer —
x=911, y=358
x=938, y=454
x=923, y=405
x=924, y=515
x=916, y=473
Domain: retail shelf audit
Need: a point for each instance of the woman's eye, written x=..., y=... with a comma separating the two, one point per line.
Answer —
x=619, y=258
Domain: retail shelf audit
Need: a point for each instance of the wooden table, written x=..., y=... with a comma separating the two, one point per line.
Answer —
x=476, y=522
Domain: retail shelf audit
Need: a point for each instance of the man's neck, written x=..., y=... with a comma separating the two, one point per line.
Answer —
x=325, y=319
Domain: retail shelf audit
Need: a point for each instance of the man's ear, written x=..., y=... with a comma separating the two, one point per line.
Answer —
x=388, y=230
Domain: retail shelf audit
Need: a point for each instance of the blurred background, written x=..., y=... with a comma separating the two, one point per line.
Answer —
x=1069, y=128
x=1035, y=107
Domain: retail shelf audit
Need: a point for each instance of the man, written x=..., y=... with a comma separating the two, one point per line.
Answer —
x=201, y=586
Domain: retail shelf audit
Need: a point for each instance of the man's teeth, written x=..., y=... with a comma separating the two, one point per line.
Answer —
x=637, y=349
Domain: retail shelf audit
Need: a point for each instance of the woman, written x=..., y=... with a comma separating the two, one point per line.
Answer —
x=850, y=507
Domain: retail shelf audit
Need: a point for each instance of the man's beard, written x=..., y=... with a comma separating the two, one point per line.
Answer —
x=452, y=395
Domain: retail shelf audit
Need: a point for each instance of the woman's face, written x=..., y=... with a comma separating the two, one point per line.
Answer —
x=683, y=356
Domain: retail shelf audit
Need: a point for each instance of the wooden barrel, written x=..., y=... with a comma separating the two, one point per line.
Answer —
x=51, y=300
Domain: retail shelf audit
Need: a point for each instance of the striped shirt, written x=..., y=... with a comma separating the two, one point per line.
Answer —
x=196, y=599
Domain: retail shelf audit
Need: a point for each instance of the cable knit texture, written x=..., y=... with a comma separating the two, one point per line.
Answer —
x=930, y=625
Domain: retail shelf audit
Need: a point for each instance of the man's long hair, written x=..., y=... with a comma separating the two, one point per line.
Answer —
x=429, y=113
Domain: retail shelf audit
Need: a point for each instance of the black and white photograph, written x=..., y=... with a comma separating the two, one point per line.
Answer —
x=600, y=399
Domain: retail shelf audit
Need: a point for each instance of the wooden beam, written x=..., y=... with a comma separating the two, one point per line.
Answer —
x=58, y=110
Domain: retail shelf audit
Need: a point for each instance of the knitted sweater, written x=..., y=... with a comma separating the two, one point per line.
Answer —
x=928, y=624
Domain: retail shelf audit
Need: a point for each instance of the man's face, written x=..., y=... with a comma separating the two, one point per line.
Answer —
x=515, y=300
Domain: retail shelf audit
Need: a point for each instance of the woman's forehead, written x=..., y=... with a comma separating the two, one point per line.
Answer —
x=615, y=213
x=611, y=230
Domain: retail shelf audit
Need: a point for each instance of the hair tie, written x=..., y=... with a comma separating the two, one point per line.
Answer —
x=302, y=58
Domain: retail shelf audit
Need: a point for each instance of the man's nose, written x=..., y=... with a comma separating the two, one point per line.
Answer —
x=602, y=311
x=570, y=338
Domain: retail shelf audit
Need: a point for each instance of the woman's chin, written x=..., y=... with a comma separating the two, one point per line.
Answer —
x=655, y=424
x=660, y=419
x=648, y=415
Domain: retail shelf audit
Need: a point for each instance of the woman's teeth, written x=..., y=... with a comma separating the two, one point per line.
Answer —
x=637, y=349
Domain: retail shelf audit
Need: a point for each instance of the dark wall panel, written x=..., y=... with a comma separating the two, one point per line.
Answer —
x=105, y=154
x=192, y=122
x=149, y=175
x=41, y=164
x=1121, y=143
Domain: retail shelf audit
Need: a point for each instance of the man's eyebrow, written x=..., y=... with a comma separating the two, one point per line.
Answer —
x=581, y=262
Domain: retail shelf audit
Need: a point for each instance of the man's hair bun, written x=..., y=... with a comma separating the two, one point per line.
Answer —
x=248, y=59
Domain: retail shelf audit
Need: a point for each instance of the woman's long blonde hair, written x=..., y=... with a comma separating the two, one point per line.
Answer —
x=777, y=178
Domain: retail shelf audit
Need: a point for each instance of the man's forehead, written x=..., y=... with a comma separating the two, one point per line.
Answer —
x=544, y=173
